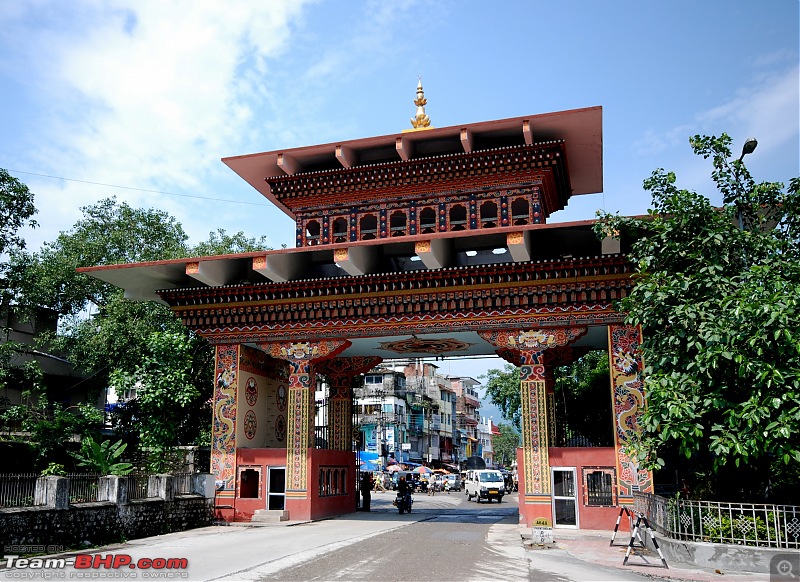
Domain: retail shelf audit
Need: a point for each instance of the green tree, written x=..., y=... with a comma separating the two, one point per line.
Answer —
x=221, y=243
x=50, y=429
x=109, y=233
x=717, y=298
x=173, y=388
x=103, y=457
x=16, y=212
x=505, y=444
x=583, y=400
x=503, y=390
x=582, y=395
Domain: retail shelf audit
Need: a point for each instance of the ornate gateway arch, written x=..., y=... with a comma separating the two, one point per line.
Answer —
x=428, y=241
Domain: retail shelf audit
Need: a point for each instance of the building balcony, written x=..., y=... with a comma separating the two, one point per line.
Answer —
x=385, y=419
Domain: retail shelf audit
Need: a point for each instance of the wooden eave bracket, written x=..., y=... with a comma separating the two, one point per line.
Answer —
x=519, y=245
x=281, y=268
x=436, y=253
x=527, y=132
x=357, y=260
x=466, y=139
x=404, y=147
x=346, y=156
x=289, y=165
x=212, y=273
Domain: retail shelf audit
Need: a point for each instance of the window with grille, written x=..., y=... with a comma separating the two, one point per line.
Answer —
x=598, y=486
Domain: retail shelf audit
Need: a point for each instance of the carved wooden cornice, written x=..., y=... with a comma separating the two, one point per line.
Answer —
x=463, y=172
x=576, y=292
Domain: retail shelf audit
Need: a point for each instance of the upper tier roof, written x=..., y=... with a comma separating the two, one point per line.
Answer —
x=580, y=129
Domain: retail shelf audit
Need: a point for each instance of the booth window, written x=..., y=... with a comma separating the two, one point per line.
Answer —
x=332, y=481
x=598, y=486
x=249, y=483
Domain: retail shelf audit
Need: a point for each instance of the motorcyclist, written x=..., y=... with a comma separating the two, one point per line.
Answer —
x=403, y=490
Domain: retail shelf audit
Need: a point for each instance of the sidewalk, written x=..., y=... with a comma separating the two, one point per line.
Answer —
x=593, y=546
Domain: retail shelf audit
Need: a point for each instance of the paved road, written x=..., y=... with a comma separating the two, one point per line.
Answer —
x=445, y=538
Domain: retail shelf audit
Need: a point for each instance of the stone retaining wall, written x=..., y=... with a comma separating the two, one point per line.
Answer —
x=114, y=519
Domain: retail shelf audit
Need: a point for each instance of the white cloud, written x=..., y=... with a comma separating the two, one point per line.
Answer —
x=142, y=92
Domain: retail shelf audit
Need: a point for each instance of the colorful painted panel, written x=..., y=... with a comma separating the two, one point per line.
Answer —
x=534, y=438
x=301, y=411
x=627, y=386
x=340, y=424
x=223, y=444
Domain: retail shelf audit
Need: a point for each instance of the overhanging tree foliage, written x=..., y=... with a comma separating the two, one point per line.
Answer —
x=505, y=444
x=103, y=334
x=16, y=212
x=718, y=298
x=582, y=398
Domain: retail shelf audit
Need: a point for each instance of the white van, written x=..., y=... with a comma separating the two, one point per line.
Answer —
x=484, y=484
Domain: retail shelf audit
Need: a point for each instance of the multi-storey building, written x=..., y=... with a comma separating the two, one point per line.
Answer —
x=468, y=403
x=486, y=432
x=382, y=414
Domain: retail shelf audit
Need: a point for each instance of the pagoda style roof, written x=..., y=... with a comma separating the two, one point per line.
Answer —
x=286, y=176
x=530, y=243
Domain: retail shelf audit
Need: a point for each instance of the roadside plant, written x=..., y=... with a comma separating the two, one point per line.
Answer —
x=103, y=457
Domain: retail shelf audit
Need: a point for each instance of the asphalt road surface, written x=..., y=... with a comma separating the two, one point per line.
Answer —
x=445, y=538
x=448, y=538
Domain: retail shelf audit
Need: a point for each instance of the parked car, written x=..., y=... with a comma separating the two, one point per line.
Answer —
x=485, y=484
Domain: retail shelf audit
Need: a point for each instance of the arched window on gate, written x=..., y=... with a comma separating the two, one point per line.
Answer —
x=458, y=217
x=397, y=223
x=427, y=221
x=369, y=227
x=520, y=211
x=340, y=230
x=312, y=233
x=489, y=214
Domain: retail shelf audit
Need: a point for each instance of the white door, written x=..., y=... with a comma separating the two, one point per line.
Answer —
x=276, y=494
x=565, y=496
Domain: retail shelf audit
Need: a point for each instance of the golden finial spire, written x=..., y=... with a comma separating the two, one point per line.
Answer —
x=420, y=120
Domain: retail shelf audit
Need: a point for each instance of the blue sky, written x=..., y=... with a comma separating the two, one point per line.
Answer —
x=149, y=95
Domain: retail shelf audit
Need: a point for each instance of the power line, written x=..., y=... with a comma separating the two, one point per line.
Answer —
x=138, y=189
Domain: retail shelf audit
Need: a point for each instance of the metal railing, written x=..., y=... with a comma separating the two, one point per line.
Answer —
x=182, y=483
x=18, y=490
x=748, y=524
x=83, y=487
x=137, y=486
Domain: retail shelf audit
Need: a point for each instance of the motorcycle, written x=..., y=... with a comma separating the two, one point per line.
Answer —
x=403, y=503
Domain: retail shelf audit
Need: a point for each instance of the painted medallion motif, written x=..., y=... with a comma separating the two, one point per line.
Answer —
x=250, y=424
x=251, y=391
x=280, y=398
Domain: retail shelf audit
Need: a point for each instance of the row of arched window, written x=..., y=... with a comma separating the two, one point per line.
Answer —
x=332, y=481
x=368, y=224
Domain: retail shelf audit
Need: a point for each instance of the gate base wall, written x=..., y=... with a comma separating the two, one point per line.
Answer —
x=330, y=485
x=592, y=458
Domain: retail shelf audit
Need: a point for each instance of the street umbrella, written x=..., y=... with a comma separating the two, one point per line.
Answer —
x=393, y=468
x=422, y=469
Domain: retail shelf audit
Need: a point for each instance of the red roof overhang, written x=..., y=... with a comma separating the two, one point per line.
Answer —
x=580, y=129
